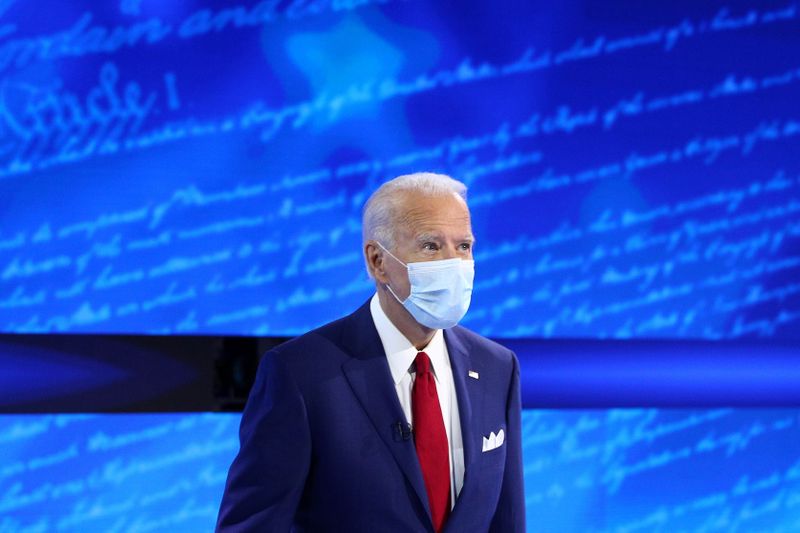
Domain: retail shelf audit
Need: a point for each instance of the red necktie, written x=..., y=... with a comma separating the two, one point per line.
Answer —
x=430, y=439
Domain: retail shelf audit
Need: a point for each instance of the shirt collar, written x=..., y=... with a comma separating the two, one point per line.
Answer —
x=400, y=353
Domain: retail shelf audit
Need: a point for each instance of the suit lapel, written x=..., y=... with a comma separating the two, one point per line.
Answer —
x=469, y=393
x=369, y=377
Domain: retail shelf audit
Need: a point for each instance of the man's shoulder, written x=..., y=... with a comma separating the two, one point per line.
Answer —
x=476, y=343
x=318, y=341
x=330, y=343
x=309, y=359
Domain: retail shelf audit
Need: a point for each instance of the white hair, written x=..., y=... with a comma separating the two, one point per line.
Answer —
x=382, y=210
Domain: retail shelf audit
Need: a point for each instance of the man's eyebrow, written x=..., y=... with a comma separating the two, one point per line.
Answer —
x=428, y=236
x=437, y=237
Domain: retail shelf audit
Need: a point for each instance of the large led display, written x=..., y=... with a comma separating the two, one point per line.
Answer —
x=177, y=167
x=200, y=167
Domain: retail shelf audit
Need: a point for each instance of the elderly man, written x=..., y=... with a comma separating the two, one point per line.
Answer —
x=392, y=418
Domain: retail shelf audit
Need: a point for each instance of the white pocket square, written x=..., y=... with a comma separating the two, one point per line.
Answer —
x=493, y=441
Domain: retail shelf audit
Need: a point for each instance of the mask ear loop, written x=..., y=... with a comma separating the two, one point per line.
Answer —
x=390, y=253
x=393, y=294
x=396, y=259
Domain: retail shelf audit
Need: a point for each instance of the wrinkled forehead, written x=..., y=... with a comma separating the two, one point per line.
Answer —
x=447, y=215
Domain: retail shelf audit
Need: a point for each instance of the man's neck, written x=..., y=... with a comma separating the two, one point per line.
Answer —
x=417, y=334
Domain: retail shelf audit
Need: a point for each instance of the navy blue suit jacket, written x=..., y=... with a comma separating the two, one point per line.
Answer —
x=321, y=450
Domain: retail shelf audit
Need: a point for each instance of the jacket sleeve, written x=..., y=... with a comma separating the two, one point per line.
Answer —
x=510, y=513
x=267, y=477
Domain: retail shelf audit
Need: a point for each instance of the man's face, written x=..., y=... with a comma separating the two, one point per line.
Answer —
x=431, y=229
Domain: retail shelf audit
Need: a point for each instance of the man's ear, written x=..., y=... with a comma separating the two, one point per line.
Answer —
x=374, y=256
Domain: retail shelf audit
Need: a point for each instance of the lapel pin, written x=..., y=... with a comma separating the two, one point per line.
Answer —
x=474, y=375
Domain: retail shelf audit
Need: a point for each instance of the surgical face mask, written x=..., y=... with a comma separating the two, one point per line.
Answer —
x=440, y=290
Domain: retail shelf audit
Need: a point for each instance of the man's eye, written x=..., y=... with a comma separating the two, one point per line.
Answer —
x=430, y=246
x=466, y=246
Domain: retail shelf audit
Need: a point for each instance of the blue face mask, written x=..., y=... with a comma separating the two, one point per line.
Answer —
x=440, y=290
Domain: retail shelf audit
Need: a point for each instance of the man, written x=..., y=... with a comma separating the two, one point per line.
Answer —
x=392, y=418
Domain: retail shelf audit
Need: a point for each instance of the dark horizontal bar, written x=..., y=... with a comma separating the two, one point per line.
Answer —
x=139, y=373
x=589, y=373
x=126, y=373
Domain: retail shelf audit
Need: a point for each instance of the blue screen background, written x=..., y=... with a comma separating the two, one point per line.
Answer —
x=179, y=168
x=586, y=470
x=200, y=168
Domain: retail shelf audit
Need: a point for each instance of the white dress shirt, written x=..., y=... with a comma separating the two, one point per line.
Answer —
x=401, y=354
